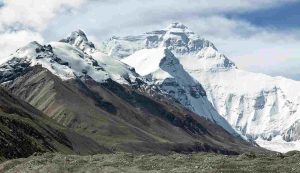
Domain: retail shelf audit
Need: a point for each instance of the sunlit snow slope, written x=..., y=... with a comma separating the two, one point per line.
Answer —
x=262, y=107
x=164, y=69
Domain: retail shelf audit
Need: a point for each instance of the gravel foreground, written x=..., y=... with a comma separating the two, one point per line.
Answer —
x=139, y=163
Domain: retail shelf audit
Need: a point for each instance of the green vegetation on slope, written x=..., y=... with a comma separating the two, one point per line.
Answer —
x=22, y=136
x=124, y=162
x=25, y=130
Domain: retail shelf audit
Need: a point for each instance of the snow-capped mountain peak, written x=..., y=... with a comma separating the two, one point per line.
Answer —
x=176, y=25
x=72, y=57
x=182, y=40
x=179, y=29
x=79, y=40
x=176, y=37
x=259, y=106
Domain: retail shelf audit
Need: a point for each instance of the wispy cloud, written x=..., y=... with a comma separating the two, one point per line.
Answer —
x=10, y=41
x=34, y=14
x=120, y=17
x=22, y=21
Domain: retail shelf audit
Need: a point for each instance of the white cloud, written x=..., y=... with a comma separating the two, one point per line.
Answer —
x=253, y=48
x=34, y=14
x=115, y=17
x=12, y=40
x=21, y=21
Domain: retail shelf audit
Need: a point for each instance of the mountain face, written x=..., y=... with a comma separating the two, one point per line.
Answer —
x=261, y=107
x=104, y=99
x=25, y=130
x=164, y=69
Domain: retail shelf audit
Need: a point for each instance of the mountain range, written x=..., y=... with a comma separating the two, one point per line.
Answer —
x=105, y=105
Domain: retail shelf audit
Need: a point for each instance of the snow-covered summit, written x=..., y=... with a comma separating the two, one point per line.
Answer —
x=80, y=41
x=177, y=25
x=176, y=37
x=72, y=57
x=182, y=40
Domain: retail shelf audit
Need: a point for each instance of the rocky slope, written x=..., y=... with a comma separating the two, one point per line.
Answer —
x=261, y=107
x=120, y=117
x=25, y=130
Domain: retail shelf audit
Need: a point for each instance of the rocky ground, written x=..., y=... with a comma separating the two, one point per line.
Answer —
x=124, y=162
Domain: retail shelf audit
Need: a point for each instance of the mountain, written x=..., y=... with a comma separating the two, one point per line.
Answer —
x=104, y=99
x=261, y=107
x=25, y=130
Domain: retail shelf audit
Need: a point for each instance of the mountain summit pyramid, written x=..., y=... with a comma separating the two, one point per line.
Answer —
x=259, y=106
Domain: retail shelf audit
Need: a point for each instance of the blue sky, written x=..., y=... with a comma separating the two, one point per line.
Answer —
x=259, y=35
x=283, y=18
x=286, y=16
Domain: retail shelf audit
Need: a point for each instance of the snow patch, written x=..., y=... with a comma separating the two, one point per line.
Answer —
x=279, y=145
